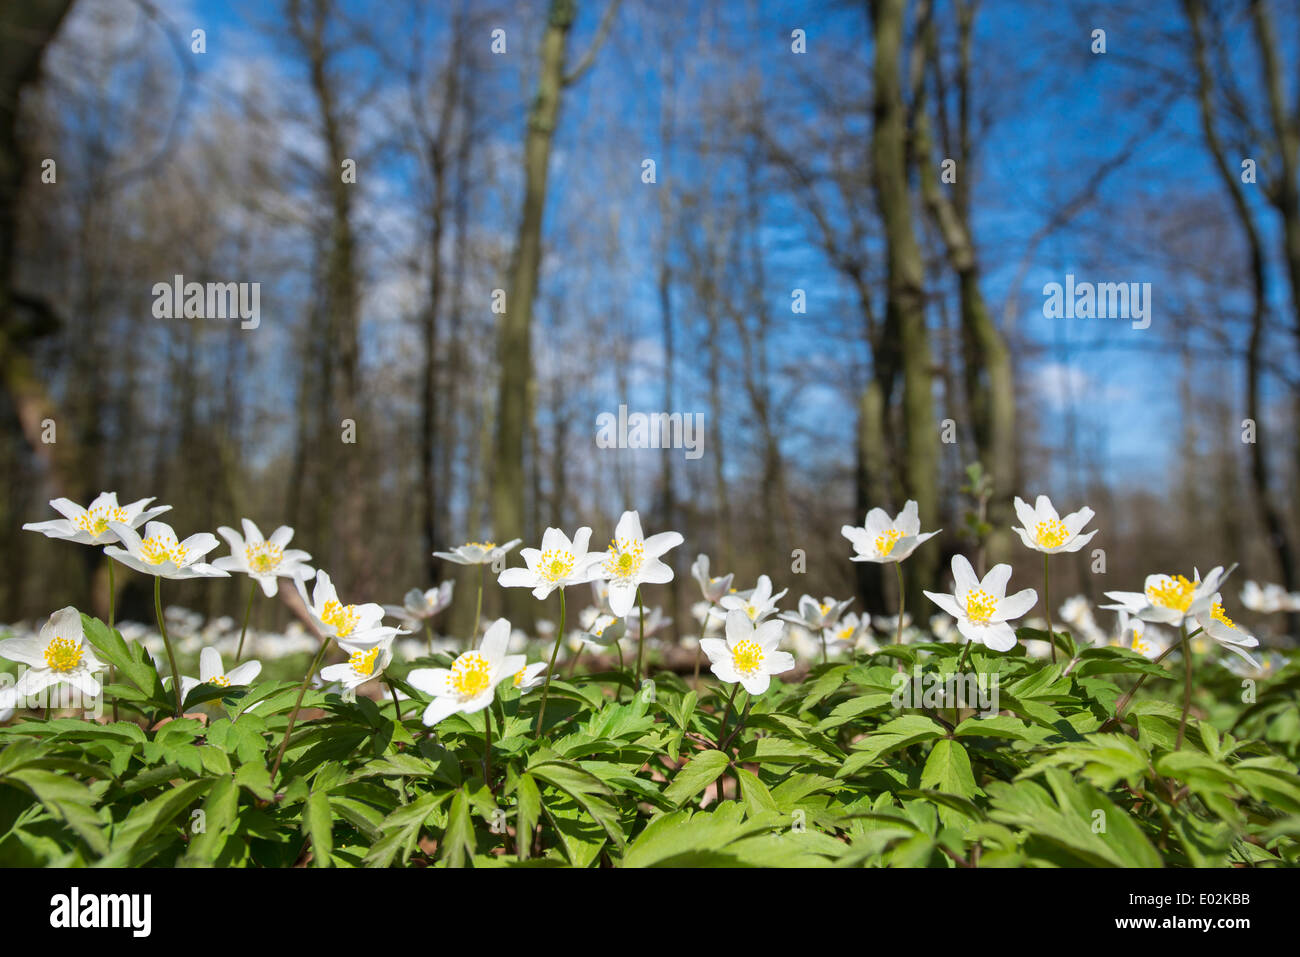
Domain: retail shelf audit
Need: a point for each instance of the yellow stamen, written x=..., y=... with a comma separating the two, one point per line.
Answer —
x=627, y=558
x=343, y=618
x=1051, y=533
x=94, y=521
x=555, y=565
x=980, y=606
x=263, y=556
x=886, y=541
x=158, y=549
x=63, y=654
x=1175, y=593
x=470, y=675
x=1217, y=613
x=747, y=657
x=363, y=662
x=220, y=681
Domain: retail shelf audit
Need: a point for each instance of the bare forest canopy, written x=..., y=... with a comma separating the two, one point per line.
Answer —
x=401, y=275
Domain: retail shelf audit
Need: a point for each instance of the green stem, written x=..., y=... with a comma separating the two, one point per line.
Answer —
x=1187, y=687
x=478, y=609
x=898, y=568
x=1128, y=695
x=397, y=705
x=171, y=658
x=112, y=616
x=740, y=726
x=1047, y=602
x=555, y=650
x=487, y=747
x=726, y=715
x=248, y=611
x=965, y=653
x=293, y=715
x=640, y=641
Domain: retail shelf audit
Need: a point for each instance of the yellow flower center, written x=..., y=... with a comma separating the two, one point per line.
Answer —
x=747, y=656
x=629, y=555
x=555, y=565
x=486, y=546
x=95, y=521
x=845, y=633
x=980, y=606
x=158, y=549
x=1051, y=533
x=263, y=556
x=886, y=541
x=470, y=675
x=519, y=676
x=63, y=654
x=1217, y=613
x=342, y=617
x=1175, y=593
x=363, y=662
x=752, y=612
x=219, y=681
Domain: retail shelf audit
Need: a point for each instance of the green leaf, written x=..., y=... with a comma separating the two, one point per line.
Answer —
x=698, y=773
x=317, y=826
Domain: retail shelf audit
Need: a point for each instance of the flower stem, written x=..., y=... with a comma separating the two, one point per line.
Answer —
x=478, y=609
x=171, y=658
x=248, y=611
x=898, y=638
x=640, y=641
x=487, y=746
x=397, y=705
x=965, y=653
x=112, y=614
x=555, y=651
x=1128, y=695
x=726, y=715
x=1047, y=602
x=1187, y=687
x=740, y=725
x=293, y=715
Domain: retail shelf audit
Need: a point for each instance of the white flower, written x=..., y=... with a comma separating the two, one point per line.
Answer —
x=1137, y=635
x=364, y=663
x=983, y=608
x=851, y=633
x=213, y=672
x=470, y=683
x=477, y=553
x=160, y=553
x=357, y=624
x=91, y=525
x=816, y=615
x=263, y=559
x=1226, y=631
x=633, y=560
x=559, y=563
x=601, y=631
x=882, y=539
x=1168, y=599
x=757, y=603
x=529, y=677
x=1267, y=599
x=58, y=655
x=418, y=606
x=749, y=653
x=712, y=588
x=1045, y=531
